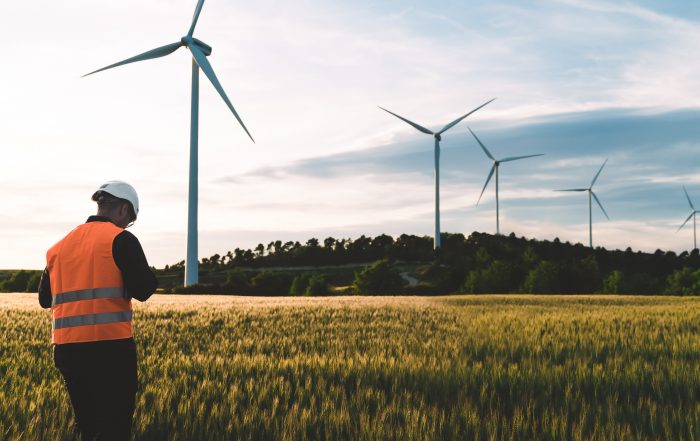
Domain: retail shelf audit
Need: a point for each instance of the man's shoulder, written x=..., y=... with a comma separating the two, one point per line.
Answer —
x=126, y=239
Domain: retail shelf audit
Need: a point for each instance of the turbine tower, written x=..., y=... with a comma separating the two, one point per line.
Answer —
x=494, y=168
x=692, y=214
x=590, y=206
x=438, y=137
x=200, y=51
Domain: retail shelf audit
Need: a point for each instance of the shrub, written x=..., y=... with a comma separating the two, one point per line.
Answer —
x=499, y=278
x=317, y=285
x=271, y=283
x=21, y=281
x=619, y=282
x=378, y=278
x=237, y=281
x=684, y=282
x=543, y=279
x=299, y=284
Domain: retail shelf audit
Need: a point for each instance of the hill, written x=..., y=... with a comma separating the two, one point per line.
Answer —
x=480, y=263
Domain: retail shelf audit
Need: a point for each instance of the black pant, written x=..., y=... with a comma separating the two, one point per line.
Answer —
x=101, y=381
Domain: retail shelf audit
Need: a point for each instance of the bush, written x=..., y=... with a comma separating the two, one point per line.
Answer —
x=33, y=282
x=543, y=279
x=614, y=283
x=619, y=282
x=684, y=282
x=441, y=277
x=499, y=278
x=21, y=281
x=237, y=281
x=198, y=288
x=299, y=284
x=271, y=283
x=378, y=278
x=317, y=286
x=582, y=277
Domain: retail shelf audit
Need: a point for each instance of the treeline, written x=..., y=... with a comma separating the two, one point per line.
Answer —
x=380, y=277
x=480, y=263
x=20, y=281
x=315, y=253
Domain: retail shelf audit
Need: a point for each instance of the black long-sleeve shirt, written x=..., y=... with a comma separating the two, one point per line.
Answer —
x=139, y=280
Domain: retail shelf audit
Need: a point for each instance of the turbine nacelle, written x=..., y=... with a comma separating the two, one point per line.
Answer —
x=437, y=137
x=494, y=168
x=191, y=41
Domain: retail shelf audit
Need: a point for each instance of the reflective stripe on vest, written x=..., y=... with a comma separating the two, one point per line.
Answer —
x=89, y=302
x=87, y=294
x=92, y=319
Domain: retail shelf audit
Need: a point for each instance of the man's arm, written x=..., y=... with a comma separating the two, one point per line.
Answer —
x=45, y=289
x=139, y=280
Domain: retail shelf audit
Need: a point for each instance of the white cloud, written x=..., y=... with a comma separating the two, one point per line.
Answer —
x=306, y=78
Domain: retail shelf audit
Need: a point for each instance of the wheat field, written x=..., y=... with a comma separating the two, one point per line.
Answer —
x=382, y=368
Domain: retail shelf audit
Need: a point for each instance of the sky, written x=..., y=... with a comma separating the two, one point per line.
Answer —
x=578, y=81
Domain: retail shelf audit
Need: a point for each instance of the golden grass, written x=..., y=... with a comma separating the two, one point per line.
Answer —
x=457, y=367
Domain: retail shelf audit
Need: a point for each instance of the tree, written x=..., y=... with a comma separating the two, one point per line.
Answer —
x=317, y=285
x=237, y=282
x=543, y=279
x=21, y=281
x=499, y=278
x=271, y=283
x=583, y=277
x=684, y=282
x=260, y=250
x=613, y=284
x=378, y=278
x=299, y=284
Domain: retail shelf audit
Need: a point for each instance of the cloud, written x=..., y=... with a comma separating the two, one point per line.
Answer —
x=579, y=81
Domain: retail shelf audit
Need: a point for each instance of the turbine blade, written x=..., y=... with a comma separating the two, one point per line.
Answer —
x=686, y=221
x=487, y=183
x=598, y=174
x=195, y=17
x=515, y=158
x=421, y=128
x=686, y=195
x=600, y=205
x=482, y=145
x=455, y=122
x=153, y=53
x=574, y=189
x=203, y=63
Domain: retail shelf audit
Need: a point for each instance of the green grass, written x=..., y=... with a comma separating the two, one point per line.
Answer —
x=462, y=367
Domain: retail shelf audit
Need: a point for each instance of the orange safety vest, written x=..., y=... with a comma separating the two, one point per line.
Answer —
x=88, y=298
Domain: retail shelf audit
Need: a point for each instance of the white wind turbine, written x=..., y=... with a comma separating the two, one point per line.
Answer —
x=438, y=137
x=692, y=214
x=590, y=206
x=494, y=169
x=200, y=51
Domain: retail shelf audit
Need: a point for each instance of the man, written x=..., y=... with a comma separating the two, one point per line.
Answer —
x=90, y=277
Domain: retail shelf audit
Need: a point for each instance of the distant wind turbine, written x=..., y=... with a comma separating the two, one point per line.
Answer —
x=494, y=168
x=438, y=138
x=590, y=209
x=692, y=214
x=200, y=51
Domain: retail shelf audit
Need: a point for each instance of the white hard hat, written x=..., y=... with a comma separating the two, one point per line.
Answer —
x=121, y=190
